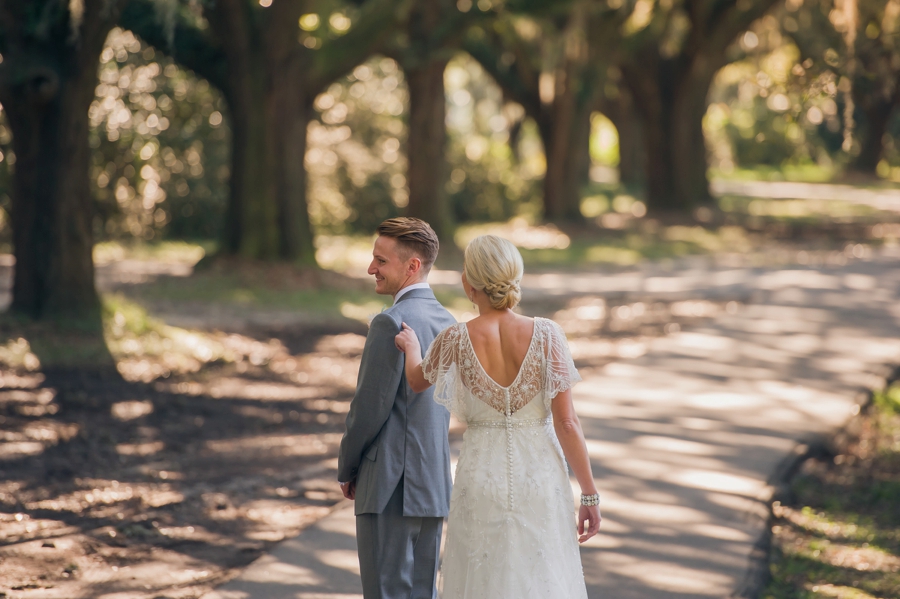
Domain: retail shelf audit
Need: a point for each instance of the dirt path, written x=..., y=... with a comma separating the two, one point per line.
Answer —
x=172, y=481
x=690, y=433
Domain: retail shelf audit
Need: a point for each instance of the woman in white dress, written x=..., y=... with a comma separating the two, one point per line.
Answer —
x=510, y=533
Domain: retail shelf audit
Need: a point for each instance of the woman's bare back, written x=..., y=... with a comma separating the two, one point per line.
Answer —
x=501, y=343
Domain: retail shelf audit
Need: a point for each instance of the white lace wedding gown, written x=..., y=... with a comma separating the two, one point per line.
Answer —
x=511, y=531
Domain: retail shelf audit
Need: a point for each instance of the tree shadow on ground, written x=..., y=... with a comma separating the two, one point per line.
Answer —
x=195, y=471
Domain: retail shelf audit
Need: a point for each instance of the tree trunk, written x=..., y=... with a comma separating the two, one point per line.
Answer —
x=567, y=150
x=251, y=221
x=878, y=111
x=671, y=103
x=52, y=216
x=566, y=133
x=292, y=119
x=632, y=159
x=689, y=154
x=47, y=83
x=426, y=145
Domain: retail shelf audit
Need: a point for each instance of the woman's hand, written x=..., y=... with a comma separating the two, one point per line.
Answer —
x=407, y=342
x=591, y=515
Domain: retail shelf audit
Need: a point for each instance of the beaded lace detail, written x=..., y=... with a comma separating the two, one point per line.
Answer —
x=530, y=423
x=547, y=367
x=511, y=532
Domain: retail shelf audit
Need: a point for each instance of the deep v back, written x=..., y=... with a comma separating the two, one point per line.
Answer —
x=521, y=361
x=524, y=387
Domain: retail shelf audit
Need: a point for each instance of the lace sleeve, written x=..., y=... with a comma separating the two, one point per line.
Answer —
x=560, y=373
x=441, y=370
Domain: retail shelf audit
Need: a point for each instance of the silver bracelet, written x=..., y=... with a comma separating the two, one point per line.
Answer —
x=590, y=500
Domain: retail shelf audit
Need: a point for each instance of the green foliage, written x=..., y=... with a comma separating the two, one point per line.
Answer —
x=160, y=165
x=841, y=537
x=264, y=290
x=356, y=164
x=888, y=399
x=769, y=109
x=355, y=161
x=495, y=155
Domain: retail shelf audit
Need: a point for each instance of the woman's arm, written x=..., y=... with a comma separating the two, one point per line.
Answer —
x=408, y=343
x=571, y=439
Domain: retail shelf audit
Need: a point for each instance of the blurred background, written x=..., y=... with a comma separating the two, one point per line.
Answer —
x=219, y=126
x=189, y=189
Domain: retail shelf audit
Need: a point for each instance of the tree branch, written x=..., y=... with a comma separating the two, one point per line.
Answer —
x=374, y=23
x=519, y=80
x=192, y=47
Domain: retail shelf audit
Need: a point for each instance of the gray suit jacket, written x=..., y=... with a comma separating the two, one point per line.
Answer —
x=391, y=431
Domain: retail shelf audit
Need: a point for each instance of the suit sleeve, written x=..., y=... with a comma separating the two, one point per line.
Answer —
x=380, y=371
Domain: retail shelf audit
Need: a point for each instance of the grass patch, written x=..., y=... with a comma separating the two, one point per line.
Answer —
x=29, y=345
x=266, y=286
x=840, y=537
x=636, y=240
x=889, y=401
x=799, y=210
x=132, y=335
x=805, y=173
x=164, y=251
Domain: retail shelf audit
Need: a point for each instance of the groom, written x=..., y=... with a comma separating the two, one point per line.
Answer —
x=395, y=460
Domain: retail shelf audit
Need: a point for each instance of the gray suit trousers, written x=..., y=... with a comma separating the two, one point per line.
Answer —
x=398, y=555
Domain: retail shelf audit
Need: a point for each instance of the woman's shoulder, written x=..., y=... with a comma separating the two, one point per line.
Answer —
x=451, y=332
x=547, y=325
x=549, y=330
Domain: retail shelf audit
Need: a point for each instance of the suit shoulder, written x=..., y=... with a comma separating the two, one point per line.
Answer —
x=386, y=320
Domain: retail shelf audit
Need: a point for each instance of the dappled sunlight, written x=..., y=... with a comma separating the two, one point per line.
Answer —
x=349, y=255
x=807, y=279
x=29, y=427
x=723, y=401
x=345, y=559
x=520, y=232
x=321, y=563
x=829, y=195
x=699, y=378
x=647, y=512
x=655, y=576
x=670, y=445
x=130, y=410
x=724, y=533
x=684, y=438
x=705, y=343
x=182, y=475
x=605, y=450
x=17, y=353
x=284, y=574
x=235, y=387
x=285, y=445
x=717, y=481
x=698, y=424
x=140, y=449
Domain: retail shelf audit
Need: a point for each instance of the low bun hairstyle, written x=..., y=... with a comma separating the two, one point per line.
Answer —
x=494, y=265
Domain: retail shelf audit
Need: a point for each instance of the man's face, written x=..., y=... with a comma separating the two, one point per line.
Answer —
x=389, y=267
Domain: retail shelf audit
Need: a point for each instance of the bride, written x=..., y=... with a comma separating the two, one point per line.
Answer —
x=510, y=532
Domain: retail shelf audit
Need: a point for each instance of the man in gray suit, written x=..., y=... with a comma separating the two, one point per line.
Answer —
x=395, y=459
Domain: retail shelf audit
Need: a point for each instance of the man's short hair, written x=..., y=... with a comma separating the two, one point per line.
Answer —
x=414, y=236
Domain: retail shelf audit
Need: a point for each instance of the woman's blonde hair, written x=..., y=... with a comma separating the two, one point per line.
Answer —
x=494, y=265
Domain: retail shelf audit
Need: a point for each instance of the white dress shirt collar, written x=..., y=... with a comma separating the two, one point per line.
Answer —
x=410, y=288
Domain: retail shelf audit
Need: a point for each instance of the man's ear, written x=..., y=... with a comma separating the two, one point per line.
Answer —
x=415, y=265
